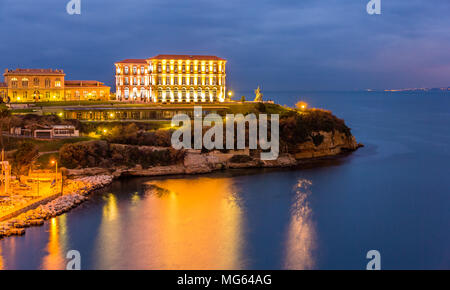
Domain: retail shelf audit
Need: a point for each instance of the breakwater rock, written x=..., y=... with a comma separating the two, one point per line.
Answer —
x=75, y=193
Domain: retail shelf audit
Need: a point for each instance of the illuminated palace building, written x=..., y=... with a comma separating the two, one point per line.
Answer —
x=171, y=79
x=42, y=85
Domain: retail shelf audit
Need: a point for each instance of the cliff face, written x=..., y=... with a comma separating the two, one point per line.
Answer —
x=331, y=143
x=195, y=162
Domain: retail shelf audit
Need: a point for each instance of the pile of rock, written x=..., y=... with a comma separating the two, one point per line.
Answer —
x=75, y=192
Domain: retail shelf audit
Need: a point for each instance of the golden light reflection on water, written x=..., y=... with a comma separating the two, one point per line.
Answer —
x=301, y=237
x=1, y=259
x=109, y=237
x=55, y=258
x=194, y=224
x=110, y=212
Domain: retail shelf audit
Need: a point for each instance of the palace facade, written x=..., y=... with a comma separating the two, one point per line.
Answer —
x=43, y=85
x=172, y=79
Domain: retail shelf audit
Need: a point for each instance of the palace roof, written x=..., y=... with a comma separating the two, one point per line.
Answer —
x=34, y=71
x=77, y=83
x=186, y=57
x=133, y=61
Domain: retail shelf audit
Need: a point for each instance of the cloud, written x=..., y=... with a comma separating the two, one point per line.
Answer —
x=310, y=44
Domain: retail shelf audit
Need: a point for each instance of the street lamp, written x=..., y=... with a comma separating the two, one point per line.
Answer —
x=302, y=105
x=54, y=162
x=230, y=94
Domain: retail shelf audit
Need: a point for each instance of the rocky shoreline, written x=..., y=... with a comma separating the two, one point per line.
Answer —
x=84, y=181
x=75, y=192
x=196, y=162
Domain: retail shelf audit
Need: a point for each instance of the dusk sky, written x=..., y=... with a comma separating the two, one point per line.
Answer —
x=282, y=45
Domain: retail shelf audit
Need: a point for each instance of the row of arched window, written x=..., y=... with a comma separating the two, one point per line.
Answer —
x=47, y=95
x=173, y=95
x=183, y=68
x=134, y=70
x=36, y=82
x=187, y=95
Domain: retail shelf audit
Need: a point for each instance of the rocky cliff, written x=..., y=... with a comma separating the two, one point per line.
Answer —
x=321, y=144
x=326, y=144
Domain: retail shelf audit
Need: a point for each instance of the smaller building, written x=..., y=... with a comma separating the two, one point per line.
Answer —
x=45, y=85
x=86, y=91
x=43, y=132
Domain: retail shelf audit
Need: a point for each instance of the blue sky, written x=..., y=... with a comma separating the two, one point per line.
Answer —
x=280, y=44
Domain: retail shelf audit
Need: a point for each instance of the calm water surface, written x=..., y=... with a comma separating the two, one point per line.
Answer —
x=392, y=196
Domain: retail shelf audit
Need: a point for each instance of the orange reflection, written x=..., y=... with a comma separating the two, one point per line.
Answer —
x=194, y=224
x=199, y=224
x=109, y=239
x=1, y=259
x=55, y=259
x=301, y=239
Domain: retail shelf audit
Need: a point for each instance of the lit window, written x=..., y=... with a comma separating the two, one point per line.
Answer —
x=14, y=83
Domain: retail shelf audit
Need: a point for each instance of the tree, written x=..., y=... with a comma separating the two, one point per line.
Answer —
x=5, y=117
x=24, y=156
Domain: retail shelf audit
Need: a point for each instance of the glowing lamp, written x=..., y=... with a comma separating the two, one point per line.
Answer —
x=302, y=105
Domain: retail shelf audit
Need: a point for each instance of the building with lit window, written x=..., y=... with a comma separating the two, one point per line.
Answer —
x=172, y=79
x=44, y=85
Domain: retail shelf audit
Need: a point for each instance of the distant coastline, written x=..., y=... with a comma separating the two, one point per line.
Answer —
x=443, y=89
